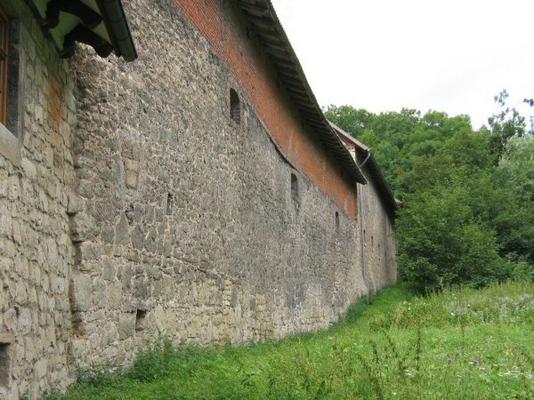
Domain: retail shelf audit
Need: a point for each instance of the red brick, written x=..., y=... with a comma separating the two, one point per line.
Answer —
x=226, y=33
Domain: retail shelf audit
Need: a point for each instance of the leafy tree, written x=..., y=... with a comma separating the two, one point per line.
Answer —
x=442, y=244
x=468, y=215
x=514, y=221
x=348, y=118
x=507, y=123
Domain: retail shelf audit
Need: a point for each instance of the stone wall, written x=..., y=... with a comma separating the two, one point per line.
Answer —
x=188, y=224
x=133, y=206
x=376, y=224
x=36, y=253
x=377, y=234
x=232, y=40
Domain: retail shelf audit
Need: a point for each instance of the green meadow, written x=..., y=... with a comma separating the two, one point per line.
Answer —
x=458, y=344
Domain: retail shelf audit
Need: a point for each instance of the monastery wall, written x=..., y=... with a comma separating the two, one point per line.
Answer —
x=193, y=225
x=377, y=247
x=139, y=200
x=36, y=200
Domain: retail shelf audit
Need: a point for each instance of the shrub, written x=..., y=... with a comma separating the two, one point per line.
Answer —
x=154, y=362
x=442, y=244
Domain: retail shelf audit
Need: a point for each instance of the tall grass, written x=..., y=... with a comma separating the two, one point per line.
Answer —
x=460, y=344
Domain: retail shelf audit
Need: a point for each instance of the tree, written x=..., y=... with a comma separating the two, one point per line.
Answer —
x=441, y=243
x=349, y=119
x=515, y=177
x=468, y=214
x=506, y=124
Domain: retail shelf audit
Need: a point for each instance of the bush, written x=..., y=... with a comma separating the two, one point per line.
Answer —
x=520, y=270
x=153, y=362
x=442, y=244
x=511, y=303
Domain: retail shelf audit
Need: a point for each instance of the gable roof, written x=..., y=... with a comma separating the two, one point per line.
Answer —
x=374, y=169
x=265, y=24
x=101, y=24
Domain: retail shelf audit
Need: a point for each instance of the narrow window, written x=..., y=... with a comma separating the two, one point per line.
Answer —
x=235, y=106
x=140, y=317
x=4, y=45
x=294, y=187
x=130, y=214
x=337, y=220
x=4, y=365
x=9, y=73
x=170, y=203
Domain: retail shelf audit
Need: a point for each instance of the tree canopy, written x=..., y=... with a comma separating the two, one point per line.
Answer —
x=468, y=196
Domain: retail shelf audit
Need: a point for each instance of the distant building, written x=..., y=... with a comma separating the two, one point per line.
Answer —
x=197, y=193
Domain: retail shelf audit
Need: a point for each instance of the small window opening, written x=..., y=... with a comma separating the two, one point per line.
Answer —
x=337, y=220
x=140, y=317
x=170, y=203
x=235, y=106
x=9, y=73
x=294, y=187
x=4, y=46
x=372, y=241
x=4, y=365
x=130, y=214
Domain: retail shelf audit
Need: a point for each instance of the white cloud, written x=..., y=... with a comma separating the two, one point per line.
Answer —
x=383, y=55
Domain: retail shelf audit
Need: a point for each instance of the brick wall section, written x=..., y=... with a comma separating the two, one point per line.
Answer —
x=216, y=20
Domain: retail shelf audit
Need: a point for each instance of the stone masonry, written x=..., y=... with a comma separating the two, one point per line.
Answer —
x=377, y=235
x=37, y=179
x=188, y=226
x=133, y=206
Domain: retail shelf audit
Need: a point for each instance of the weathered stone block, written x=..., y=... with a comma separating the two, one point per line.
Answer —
x=126, y=326
x=131, y=170
x=89, y=251
x=122, y=236
x=83, y=227
x=81, y=292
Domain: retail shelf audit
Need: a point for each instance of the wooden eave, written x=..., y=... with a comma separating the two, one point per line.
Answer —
x=374, y=169
x=101, y=24
x=264, y=22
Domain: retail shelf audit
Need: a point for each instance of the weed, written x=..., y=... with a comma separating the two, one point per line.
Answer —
x=418, y=349
x=372, y=375
x=459, y=344
x=156, y=361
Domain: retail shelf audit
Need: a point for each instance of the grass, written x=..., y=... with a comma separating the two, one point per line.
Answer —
x=460, y=344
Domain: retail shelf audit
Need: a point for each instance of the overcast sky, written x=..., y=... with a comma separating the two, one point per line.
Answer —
x=383, y=55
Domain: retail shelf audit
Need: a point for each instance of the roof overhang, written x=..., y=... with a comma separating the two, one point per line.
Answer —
x=268, y=29
x=101, y=24
x=376, y=175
